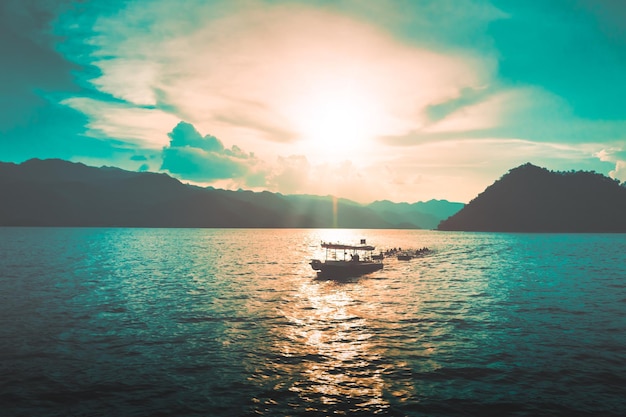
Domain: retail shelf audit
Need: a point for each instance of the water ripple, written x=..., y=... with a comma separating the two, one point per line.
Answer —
x=135, y=322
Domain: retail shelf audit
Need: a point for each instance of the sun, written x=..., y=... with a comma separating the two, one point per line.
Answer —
x=336, y=117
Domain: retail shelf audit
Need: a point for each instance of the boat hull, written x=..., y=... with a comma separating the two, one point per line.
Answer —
x=345, y=268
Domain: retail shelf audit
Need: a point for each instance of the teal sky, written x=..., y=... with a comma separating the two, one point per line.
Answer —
x=392, y=99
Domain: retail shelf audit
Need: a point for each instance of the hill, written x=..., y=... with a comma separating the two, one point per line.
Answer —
x=54, y=192
x=533, y=199
x=427, y=214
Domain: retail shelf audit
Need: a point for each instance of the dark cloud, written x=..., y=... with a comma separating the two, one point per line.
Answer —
x=138, y=158
x=185, y=134
x=30, y=64
x=198, y=158
x=35, y=76
x=611, y=18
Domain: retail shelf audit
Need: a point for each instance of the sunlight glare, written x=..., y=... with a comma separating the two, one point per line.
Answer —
x=338, y=115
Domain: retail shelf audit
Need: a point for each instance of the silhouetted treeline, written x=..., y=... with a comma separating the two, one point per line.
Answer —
x=533, y=199
x=54, y=192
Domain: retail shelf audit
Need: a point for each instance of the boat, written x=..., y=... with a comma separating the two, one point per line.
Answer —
x=405, y=256
x=422, y=251
x=379, y=256
x=346, y=260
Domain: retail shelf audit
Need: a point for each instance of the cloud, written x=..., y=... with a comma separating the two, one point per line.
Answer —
x=470, y=114
x=619, y=172
x=465, y=97
x=468, y=166
x=617, y=156
x=184, y=134
x=203, y=159
x=290, y=175
x=257, y=71
x=123, y=122
x=467, y=88
x=522, y=113
x=27, y=47
x=611, y=17
x=296, y=174
x=253, y=70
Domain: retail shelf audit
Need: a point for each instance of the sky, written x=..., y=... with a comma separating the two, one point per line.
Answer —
x=404, y=100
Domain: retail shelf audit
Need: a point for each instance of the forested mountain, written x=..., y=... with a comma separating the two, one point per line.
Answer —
x=533, y=199
x=54, y=192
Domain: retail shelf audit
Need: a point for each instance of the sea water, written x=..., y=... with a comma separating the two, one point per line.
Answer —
x=206, y=322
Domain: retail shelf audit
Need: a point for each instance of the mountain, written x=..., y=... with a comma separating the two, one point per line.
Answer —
x=54, y=192
x=532, y=199
x=427, y=214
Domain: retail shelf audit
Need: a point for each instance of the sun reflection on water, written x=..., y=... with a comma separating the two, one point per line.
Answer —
x=338, y=363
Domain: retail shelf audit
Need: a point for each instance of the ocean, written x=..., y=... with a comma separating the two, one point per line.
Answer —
x=234, y=322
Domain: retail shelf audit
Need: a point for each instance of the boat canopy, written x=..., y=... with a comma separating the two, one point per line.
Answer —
x=348, y=247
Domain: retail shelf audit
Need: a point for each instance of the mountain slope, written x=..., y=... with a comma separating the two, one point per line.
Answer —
x=532, y=199
x=427, y=214
x=60, y=193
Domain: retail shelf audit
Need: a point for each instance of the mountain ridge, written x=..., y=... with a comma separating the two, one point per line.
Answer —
x=533, y=199
x=54, y=192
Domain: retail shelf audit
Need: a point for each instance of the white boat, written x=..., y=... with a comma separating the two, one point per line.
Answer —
x=346, y=260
